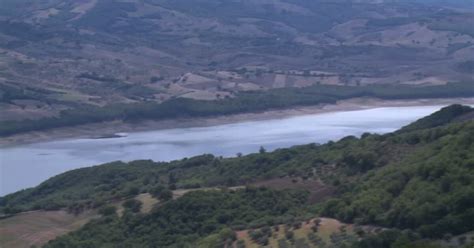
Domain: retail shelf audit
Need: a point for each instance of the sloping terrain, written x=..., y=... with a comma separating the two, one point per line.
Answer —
x=57, y=55
x=38, y=227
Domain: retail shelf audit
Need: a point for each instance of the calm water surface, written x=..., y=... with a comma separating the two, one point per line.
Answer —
x=28, y=165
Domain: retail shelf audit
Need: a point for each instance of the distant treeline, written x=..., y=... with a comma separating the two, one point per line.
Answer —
x=242, y=103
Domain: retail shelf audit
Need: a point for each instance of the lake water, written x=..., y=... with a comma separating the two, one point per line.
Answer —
x=28, y=165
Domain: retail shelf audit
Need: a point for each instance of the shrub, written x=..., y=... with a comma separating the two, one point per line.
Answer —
x=132, y=205
x=108, y=210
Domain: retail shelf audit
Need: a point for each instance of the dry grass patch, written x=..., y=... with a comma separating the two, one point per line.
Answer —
x=38, y=227
x=148, y=202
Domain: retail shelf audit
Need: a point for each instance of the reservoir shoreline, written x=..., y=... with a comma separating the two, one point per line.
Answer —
x=46, y=159
x=110, y=129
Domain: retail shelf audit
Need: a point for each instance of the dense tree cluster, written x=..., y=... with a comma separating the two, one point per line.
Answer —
x=430, y=191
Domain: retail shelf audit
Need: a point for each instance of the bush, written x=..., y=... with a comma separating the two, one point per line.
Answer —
x=166, y=195
x=240, y=244
x=108, y=210
x=162, y=193
x=132, y=205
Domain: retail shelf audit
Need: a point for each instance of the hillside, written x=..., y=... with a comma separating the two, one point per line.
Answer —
x=415, y=186
x=62, y=55
x=449, y=114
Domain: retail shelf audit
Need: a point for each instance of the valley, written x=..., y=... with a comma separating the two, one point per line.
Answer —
x=237, y=123
x=301, y=184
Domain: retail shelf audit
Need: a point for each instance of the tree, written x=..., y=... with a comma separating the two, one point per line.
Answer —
x=240, y=244
x=162, y=193
x=108, y=210
x=166, y=195
x=133, y=191
x=132, y=205
x=171, y=178
x=156, y=191
x=289, y=234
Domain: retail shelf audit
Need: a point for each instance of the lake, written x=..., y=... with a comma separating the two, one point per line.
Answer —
x=28, y=165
